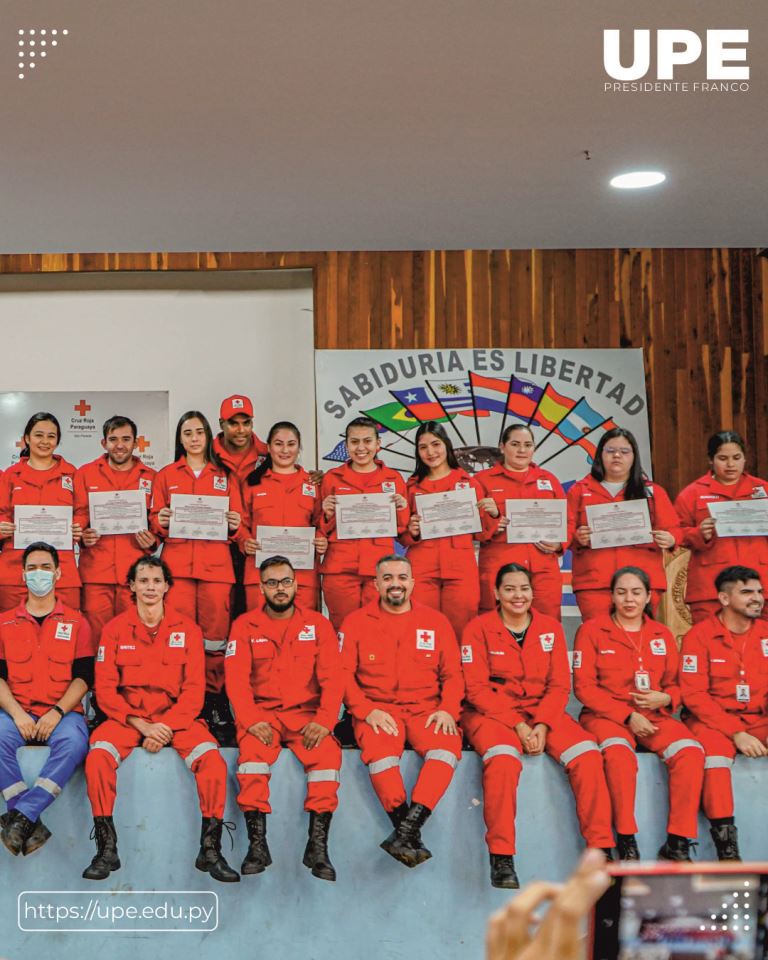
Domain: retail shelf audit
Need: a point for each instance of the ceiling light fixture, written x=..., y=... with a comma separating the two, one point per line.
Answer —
x=638, y=179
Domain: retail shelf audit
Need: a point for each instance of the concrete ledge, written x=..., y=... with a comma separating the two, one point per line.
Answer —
x=378, y=909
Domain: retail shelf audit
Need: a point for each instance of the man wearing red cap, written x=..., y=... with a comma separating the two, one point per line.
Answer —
x=237, y=446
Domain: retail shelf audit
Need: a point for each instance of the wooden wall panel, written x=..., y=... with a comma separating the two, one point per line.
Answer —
x=700, y=316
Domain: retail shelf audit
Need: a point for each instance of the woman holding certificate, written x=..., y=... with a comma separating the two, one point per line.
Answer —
x=721, y=489
x=518, y=478
x=444, y=566
x=280, y=493
x=625, y=673
x=621, y=519
x=41, y=479
x=196, y=508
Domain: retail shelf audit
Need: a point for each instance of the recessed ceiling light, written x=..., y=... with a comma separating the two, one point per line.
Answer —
x=637, y=179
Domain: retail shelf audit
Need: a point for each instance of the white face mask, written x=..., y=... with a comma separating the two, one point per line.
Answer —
x=39, y=582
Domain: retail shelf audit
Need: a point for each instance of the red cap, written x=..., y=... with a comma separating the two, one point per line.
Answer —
x=235, y=405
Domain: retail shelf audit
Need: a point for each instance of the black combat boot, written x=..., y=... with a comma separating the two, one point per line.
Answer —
x=16, y=831
x=258, y=858
x=40, y=835
x=726, y=839
x=316, y=855
x=503, y=871
x=210, y=858
x=626, y=846
x=407, y=846
x=396, y=817
x=675, y=848
x=106, y=859
x=608, y=851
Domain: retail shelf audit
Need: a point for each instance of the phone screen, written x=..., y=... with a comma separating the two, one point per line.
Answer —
x=682, y=916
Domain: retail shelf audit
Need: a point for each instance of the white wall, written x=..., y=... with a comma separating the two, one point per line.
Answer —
x=200, y=345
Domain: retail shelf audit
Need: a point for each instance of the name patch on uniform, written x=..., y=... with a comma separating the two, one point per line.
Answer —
x=577, y=659
x=308, y=633
x=764, y=645
x=145, y=484
x=543, y=484
x=659, y=647
x=497, y=653
x=690, y=663
x=219, y=483
x=259, y=639
x=466, y=653
x=231, y=648
x=425, y=639
x=127, y=646
x=308, y=490
x=388, y=486
x=177, y=639
x=758, y=493
x=66, y=482
x=100, y=655
x=607, y=651
x=547, y=641
x=63, y=631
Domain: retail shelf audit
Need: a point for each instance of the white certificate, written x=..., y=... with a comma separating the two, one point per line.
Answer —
x=620, y=524
x=448, y=514
x=118, y=511
x=740, y=518
x=294, y=543
x=363, y=515
x=198, y=518
x=52, y=525
x=531, y=521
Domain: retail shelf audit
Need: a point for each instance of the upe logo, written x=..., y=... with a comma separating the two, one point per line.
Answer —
x=678, y=48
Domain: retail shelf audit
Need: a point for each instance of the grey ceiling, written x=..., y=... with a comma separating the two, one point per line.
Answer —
x=351, y=124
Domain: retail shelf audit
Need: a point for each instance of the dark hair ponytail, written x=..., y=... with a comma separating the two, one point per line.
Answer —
x=256, y=475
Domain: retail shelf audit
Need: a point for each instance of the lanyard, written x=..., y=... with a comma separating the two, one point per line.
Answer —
x=739, y=650
x=637, y=647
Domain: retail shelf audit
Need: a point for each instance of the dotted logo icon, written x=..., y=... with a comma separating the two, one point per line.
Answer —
x=34, y=45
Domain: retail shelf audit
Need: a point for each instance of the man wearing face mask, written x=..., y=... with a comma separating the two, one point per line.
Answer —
x=46, y=668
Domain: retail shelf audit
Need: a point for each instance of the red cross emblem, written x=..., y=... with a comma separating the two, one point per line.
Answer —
x=82, y=408
x=142, y=443
x=689, y=661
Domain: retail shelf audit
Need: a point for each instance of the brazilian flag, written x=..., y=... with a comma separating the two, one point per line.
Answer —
x=393, y=416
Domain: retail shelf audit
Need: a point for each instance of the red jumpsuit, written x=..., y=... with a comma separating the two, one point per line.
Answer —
x=593, y=569
x=243, y=464
x=407, y=665
x=547, y=581
x=286, y=673
x=282, y=499
x=21, y=485
x=349, y=566
x=202, y=569
x=445, y=568
x=708, y=558
x=158, y=676
x=509, y=683
x=714, y=664
x=104, y=566
x=605, y=661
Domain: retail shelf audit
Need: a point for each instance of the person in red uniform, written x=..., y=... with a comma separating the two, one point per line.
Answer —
x=46, y=668
x=517, y=676
x=518, y=478
x=617, y=476
x=403, y=680
x=202, y=569
x=444, y=568
x=625, y=673
x=280, y=492
x=105, y=560
x=150, y=681
x=285, y=683
x=349, y=566
x=724, y=686
x=237, y=446
x=41, y=477
x=726, y=482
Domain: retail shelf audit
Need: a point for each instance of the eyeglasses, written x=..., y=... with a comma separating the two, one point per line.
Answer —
x=285, y=582
x=624, y=451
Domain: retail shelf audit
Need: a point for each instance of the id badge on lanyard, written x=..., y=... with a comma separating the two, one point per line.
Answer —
x=642, y=681
x=742, y=692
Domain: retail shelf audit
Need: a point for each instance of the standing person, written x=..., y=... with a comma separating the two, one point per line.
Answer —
x=515, y=664
x=518, y=478
x=46, y=668
x=202, y=569
x=237, y=446
x=724, y=685
x=625, y=669
x=349, y=566
x=150, y=680
x=616, y=476
x=445, y=569
x=280, y=492
x=403, y=680
x=726, y=482
x=285, y=682
x=41, y=477
x=105, y=560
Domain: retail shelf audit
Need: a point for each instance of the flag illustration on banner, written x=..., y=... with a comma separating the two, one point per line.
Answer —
x=524, y=398
x=553, y=408
x=419, y=402
x=489, y=393
x=454, y=396
x=392, y=416
x=339, y=453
